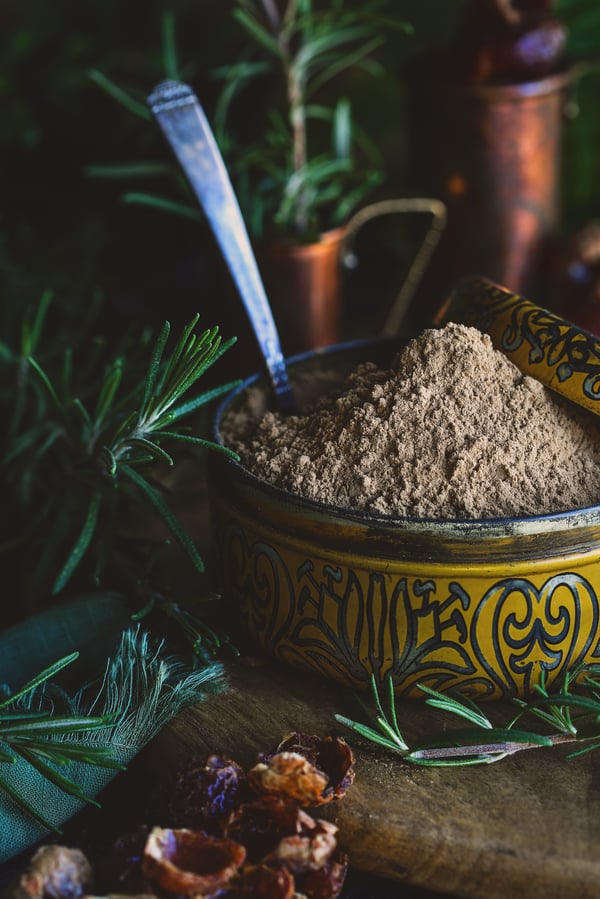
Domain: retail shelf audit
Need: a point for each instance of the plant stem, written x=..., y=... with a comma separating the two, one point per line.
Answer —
x=295, y=90
x=504, y=748
x=272, y=14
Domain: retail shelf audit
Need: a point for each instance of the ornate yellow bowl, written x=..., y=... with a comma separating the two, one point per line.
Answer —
x=479, y=605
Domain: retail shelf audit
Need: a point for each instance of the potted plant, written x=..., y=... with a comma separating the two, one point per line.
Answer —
x=299, y=162
x=306, y=166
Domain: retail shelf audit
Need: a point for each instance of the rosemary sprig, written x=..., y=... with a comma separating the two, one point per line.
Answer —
x=77, y=453
x=37, y=737
x=572, y=713
x=306, y=164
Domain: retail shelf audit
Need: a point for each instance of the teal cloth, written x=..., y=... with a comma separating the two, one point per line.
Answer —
x=143, y=687
x=93, y=626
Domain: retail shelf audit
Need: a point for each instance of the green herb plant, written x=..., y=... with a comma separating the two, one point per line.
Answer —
x=88, y=439
x=571, y=714
x=311, y=165
x=41, y=738
x=302, y=165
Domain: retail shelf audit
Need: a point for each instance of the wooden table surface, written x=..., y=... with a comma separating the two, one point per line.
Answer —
x=526, y=826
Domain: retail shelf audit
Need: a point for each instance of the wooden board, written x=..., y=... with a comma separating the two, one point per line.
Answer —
x=528, y=826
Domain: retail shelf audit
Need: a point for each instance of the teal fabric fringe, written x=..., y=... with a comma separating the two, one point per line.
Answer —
x=146, y=689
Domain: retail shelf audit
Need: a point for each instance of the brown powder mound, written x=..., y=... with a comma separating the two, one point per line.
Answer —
x=452, y=430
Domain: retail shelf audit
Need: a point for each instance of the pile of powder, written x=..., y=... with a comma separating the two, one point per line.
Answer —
x=452, y=430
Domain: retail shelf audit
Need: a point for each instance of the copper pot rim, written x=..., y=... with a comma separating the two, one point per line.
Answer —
x=565, y=522
x=546, y=85
x=285, y=247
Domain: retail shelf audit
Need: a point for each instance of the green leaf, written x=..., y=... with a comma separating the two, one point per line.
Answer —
x=121, y=96
x=169, y=49
x=198, y=441
x=370, y=734
x=40, y=678
x=59, y=780
x=342, y=62
x=342, y=129
x=31, y=334
x=163, y=204
x=153, y=448
x=257, y=31
x=154, y=367
x=27, y=807
x=81, y=544
x=456, y=705
x=128, y=170
x=174, y=525
x=185, y=343
x=45, y=380
x=202, y=400
x=109, y=388
x=55, y=725
x=572, y=700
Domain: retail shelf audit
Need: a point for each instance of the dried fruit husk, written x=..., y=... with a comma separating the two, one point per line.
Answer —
x=260, y=825
x=205, y=791
x=307, y=851
x=330, y=757
x=54, y=871
x=191, y=862
x=289, y=774
x=326, y=882
x=264, y=882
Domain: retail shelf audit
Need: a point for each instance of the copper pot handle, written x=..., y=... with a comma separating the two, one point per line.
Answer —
x=427, y=205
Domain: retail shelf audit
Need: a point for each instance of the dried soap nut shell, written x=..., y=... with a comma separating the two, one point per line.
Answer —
x=264, y=882
x=206, y=790
x=331, y=756
x=260, y=825
x=289, y=774
x=326, y=882
x=55, y=871
x=190, y=862
x=301, y=854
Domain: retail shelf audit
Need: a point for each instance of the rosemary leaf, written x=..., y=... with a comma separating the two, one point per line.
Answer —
x=154, y=367
x=62, y=752
x=120, y=95
x=45, y=675
x=198, y=441
x=153, y=448
x=164, y=204
x=109, y=389
x=81, y=545
x=462, y=707
x=202, y=400
x=257, y=31
x=27, y=807
x=169, y=48
x=184, y=345
x=59, y=780
x=54, y=725
x=370, y=734
x=30, y=335
x=155, y=499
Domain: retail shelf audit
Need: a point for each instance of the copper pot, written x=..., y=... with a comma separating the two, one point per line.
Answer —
x=303, y=282
x=305, y=285
x=492, y=153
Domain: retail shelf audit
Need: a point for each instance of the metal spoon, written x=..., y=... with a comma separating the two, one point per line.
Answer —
x=185, y=126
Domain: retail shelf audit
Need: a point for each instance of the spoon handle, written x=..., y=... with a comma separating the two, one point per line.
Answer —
x=186, y=128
